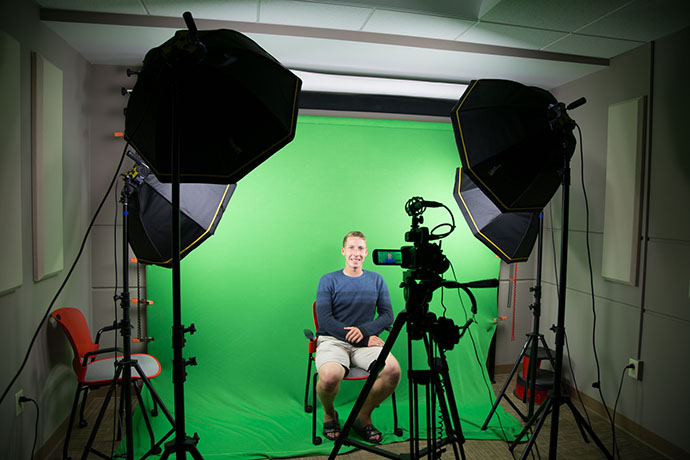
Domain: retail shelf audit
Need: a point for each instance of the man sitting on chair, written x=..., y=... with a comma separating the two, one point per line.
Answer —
x=347, y=303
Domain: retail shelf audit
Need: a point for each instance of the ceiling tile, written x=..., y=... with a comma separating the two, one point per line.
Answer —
x=236, y=10
x=420, y=25
x=515, y=37
x=309, y=14
x=99, y=6
x=468, y=9
x=644, y=20
x=563, y=15
x=592, y=46
x=358, y=58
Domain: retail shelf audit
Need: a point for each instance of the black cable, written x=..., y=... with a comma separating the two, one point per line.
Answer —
x=451, y=225
x=591, y=283
x=67, y=277
x=24, y=399
x=487, y=384
x=613, y=426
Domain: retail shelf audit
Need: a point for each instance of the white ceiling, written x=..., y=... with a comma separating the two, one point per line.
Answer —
x=544, y=43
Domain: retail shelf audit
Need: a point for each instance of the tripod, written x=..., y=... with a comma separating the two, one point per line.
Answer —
x=534, y=340
x=123, y=369
x=556, y=397
x=421, y=325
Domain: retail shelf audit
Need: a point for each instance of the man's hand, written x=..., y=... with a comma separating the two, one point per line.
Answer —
x=353, y=335
x=375, y=341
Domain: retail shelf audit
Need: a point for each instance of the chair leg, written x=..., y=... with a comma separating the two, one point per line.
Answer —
x=121, y=413
x=316, y=440
x=82, y=420
x=396, y=429
x=65, y=448
x=137, y=390
x=154, y=411
x=307, y=407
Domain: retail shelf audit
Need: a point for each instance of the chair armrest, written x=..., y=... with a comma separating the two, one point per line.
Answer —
x=105, y=329
x=309, y=334
x=100, y=351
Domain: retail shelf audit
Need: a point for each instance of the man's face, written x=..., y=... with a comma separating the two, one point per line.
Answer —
x=355, y=250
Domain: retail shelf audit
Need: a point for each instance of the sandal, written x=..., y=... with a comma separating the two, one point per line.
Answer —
x=331, y=429
x=368, y=432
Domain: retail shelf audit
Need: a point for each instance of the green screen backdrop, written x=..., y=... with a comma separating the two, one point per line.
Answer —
x=250, y=287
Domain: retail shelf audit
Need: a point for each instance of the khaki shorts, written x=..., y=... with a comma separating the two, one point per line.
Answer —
x=330, y=349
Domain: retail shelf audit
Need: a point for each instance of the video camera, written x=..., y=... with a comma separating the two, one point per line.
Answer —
x=424, y=259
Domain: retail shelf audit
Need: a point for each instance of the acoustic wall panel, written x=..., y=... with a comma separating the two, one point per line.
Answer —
x=46, y=133
x=624, y=155
x=10, y=166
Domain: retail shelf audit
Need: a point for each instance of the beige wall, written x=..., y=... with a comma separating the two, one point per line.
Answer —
x=650, y=321
x=48, y=377
x=107, y=117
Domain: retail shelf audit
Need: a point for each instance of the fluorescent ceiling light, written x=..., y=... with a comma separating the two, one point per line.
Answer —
x=331, y=83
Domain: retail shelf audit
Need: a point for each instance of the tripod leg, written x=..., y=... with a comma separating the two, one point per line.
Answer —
x=450, y=428
x=501, y=393
x=379, y=363
x=581, y=422
x=446, y=388
x=545, y=408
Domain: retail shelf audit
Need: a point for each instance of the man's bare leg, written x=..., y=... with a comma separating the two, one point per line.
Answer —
x=327, y=387
x=383, y=387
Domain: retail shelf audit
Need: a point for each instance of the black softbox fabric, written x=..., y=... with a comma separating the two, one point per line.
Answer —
x=225, y=102
x=510, y=235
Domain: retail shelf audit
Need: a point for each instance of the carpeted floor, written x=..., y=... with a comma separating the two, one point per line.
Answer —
x=570, y=445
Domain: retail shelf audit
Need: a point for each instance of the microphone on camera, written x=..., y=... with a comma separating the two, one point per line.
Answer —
x=417, y=205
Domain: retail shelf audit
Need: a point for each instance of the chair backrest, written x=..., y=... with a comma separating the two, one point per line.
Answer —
x=316, y=321
x=73, y=324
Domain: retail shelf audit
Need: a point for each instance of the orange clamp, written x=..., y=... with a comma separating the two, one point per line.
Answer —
x=142, y=301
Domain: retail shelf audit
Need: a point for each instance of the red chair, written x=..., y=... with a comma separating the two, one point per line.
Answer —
x=92, y=373
x=356, y=373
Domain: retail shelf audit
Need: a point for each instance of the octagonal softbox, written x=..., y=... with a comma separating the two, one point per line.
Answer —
x=509, y=144
x=220, y=98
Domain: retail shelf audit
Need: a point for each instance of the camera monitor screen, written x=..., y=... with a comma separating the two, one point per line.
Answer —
x=387, y=257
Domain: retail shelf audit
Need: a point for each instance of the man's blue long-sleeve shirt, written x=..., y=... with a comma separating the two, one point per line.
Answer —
x=343, y=301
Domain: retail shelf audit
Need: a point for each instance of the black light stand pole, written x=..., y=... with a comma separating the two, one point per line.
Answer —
x=536, y=314
x=123, y=369
x=126, y=330
x=556, y=397
x=182, y=443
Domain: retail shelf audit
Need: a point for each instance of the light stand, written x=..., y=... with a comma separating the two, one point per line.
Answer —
x=534, y=339
x=124, y=366
x=556, y=397
x=182, y=443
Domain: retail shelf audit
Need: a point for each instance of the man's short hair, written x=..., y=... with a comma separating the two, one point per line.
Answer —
x=354, y=234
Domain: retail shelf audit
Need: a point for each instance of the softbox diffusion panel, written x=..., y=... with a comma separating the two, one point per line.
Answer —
x=227, y=102
x=201, y=207
x=507, y=145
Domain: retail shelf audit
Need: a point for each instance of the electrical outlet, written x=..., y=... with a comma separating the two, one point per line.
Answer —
x=18, y=406
x=635, y=372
